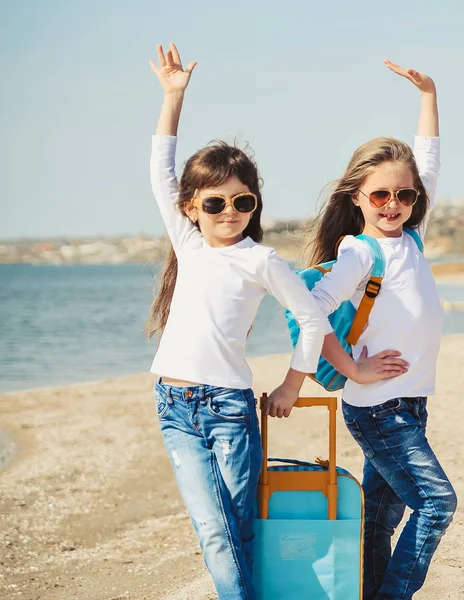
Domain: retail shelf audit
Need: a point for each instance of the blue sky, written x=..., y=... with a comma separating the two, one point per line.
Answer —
x=303, y=82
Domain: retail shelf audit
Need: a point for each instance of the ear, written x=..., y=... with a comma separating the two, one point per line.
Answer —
x=191, y=211
x=355, y=200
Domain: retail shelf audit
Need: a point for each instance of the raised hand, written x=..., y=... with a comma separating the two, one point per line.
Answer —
x=171, y=74
x=423, y=82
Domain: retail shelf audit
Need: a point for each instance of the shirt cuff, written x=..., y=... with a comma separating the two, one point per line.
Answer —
x=299, y=364
x=164, y=141
x=426, y=142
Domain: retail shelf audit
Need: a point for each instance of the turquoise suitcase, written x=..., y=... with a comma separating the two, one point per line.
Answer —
x=308, y=537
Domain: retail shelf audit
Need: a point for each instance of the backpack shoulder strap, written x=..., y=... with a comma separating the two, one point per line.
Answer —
x=416, y=237
x=372, y=289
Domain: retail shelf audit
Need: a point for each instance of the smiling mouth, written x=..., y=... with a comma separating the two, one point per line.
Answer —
x=390, y=217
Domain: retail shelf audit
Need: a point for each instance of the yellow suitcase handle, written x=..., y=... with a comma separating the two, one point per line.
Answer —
x=324, y=481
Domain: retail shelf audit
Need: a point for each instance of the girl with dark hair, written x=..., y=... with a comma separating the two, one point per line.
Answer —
x=386, y=187
x=215, y=278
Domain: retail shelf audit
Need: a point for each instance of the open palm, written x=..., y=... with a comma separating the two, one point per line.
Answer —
x=171, y=74
x=420, y=80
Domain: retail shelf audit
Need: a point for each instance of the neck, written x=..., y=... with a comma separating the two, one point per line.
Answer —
x=216, y=242
x=375, y=232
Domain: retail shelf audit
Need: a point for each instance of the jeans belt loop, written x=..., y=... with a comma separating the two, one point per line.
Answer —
x=169, y=395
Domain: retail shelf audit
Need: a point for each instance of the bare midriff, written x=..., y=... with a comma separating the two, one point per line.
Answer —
x=178, y=382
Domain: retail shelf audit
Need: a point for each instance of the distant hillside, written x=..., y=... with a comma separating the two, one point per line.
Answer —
x=445, y=235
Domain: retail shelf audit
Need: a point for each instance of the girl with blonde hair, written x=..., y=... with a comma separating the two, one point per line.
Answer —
x=386, y=188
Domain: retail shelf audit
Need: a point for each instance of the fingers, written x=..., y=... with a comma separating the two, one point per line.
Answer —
x=363, y=354
x=270, y=409
x=287, y=411
x=415, y=76
x=395, y=361
x=154, y=67
x=393, y=369
x=175, y=53
x=275, y=410
x=170, y=59
x=391, y=364
x=161, y=58
x=390, y=65
x=401, y=70
x=387, y=353
x=396, y=68
x=189, y=68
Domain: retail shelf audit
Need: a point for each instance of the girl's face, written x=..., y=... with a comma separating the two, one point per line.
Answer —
x=225, y=228
x=386, y=221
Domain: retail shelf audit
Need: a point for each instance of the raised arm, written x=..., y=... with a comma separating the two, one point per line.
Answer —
x=427, y=141
x=174, y=80
x=428, y=119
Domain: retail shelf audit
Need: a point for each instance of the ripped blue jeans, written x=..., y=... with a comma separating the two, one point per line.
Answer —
x=212, y=437
x=400, y=470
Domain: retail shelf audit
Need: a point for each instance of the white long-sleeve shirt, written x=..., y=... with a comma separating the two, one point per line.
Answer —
x=217, y=294
x=407, y=314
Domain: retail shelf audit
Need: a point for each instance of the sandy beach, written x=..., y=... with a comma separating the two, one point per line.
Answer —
x=90, y=509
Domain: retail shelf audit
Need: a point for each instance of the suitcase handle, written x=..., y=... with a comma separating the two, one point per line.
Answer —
x=270, y=482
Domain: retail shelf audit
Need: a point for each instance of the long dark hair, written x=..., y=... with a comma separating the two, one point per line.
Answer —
x=339, y=216
x=209, y=167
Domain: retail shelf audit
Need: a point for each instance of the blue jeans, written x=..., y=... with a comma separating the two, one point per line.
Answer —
x=212, y=437
x=400, y=469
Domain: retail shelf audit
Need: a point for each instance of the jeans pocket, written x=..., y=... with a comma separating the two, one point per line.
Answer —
x=229, y=405
x=387, y=408
x=353, y=427
x=162, y=404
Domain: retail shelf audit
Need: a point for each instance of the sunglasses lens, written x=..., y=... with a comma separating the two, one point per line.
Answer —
x=213, y=205
x=407, y=197
x=245, y=203
x=379, y=198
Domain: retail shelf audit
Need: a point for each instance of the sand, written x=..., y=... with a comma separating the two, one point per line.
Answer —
x=89, y=508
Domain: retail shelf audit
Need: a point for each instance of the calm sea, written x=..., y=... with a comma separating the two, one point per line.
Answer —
x=75, y=323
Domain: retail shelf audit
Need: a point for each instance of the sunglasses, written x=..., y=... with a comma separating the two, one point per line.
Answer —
x=380, y=198
x=245, y=202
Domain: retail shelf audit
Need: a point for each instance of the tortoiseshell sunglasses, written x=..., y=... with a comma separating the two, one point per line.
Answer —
x=245, y=202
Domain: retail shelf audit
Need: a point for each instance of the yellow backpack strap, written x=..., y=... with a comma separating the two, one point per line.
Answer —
x=364, y=309
x=372, y=289
x=322, y=269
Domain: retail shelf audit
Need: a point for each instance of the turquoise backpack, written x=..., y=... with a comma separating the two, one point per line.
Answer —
x=347, y=322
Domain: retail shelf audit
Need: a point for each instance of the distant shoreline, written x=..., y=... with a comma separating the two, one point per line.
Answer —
x=453, y=268
x=447, y=262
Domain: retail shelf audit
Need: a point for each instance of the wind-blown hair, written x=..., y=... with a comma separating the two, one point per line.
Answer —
x=339, y=216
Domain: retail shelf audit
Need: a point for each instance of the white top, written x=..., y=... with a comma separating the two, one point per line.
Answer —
x=407, y=314
x=217, y=294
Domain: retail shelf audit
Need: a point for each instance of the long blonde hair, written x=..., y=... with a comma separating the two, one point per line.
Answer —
x=339, y=216
x=209, y=167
